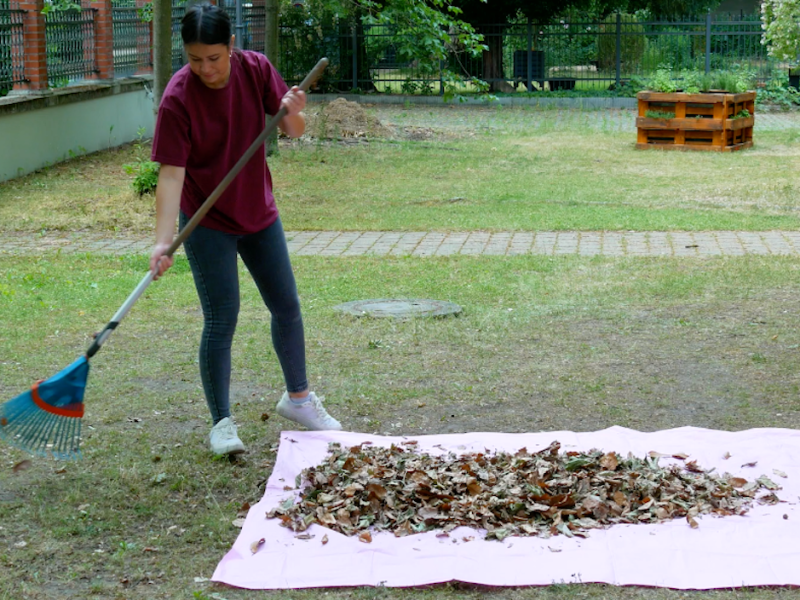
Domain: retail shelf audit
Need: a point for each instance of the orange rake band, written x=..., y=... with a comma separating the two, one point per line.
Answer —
x=71, y=410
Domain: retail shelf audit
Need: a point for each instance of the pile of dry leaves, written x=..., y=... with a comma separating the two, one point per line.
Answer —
x=543, y=493
x=344, y=119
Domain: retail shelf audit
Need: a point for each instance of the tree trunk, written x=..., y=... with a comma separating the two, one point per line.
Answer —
x=493, y=63
x=272, y=31
x=162, y=48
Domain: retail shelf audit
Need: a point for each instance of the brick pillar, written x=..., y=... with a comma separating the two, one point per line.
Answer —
x=103, y=39
x=34, y=52
x=144, y=45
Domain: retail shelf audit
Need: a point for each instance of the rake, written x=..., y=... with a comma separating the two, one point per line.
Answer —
x=46, y=419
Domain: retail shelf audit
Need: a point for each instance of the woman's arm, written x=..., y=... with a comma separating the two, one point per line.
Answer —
x=168, y=202
x=294, y=123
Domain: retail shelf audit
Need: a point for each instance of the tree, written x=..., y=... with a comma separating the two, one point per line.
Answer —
x=668, y=9
x=426, y=31
x=162, y=48
x=781, y=24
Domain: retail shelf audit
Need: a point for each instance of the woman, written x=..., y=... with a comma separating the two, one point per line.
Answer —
x=210, y=113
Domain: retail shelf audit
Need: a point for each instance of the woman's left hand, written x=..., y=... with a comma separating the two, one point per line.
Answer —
x=294, y=101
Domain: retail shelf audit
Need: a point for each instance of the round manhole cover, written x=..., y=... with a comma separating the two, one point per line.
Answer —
x=399, y=309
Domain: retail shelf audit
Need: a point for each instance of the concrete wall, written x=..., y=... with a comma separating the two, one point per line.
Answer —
x=41, y=129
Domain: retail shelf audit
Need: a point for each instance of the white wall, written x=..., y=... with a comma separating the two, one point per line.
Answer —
x=32, y=139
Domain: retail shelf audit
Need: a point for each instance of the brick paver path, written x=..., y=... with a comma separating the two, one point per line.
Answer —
x=432, y=243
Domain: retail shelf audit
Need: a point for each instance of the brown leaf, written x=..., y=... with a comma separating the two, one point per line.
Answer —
x=692, y=466
x=365, y=536
x=609, y=461
x=662, y=513
x=377, y=490
x=419, y=477
x=738, y=482
x=3, y=422
x=324, y=539
x=21, y=466
x=692, y=522
x=654, y=454
x=750, y=464
x=325, y=517
x=680, y=456
x=254, y=547
x=474, y=488
x=265, y=416
x=770, y=498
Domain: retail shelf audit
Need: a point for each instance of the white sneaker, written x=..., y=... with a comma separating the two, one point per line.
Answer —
x=310, y=414
x=224, y=438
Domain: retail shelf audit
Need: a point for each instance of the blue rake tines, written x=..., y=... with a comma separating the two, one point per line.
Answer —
x=46, y=420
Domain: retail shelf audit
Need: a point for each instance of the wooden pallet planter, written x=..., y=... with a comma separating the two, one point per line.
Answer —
x=701, y=122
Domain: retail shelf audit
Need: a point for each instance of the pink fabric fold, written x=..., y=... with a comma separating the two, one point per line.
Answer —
x=757, y=549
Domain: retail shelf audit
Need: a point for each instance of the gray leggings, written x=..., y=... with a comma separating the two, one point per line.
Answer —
x=213, y=258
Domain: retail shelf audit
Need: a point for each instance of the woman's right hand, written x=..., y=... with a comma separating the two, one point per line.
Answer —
x=158, y=262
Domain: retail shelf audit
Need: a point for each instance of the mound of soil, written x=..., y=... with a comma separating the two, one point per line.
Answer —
x=341, y=119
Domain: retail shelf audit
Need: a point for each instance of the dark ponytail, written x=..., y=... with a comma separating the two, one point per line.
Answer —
x=206, y=24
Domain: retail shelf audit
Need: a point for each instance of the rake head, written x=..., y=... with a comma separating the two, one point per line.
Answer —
x=46, y=420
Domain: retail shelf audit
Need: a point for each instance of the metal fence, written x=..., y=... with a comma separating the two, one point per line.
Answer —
x=69, y=36
x=11, y=49
x=178, y=56
x=255, y=28
x=525, y=55
x=132, y=41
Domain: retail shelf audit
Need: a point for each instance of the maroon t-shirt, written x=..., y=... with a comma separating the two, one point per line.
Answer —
x=207, y=131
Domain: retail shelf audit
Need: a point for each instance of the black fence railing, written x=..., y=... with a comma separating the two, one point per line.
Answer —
x=70, y=45
x=132, y=43
x=11, y=49
x=522, y=55
x=255, y=28
x=526, y=55
x=178, y=55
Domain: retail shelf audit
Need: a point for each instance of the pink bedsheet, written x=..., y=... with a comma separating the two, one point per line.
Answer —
x=761, y=548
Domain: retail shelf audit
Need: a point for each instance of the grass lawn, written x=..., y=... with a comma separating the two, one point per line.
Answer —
x=543, y=344
x=458, y=168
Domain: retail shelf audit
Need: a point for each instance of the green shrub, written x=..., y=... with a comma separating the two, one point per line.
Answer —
x=663, y=81
x=776, y=92
x=145, y=170
x=691, y=82
x=632, y=46
x=146, y=178
x=669, y=48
